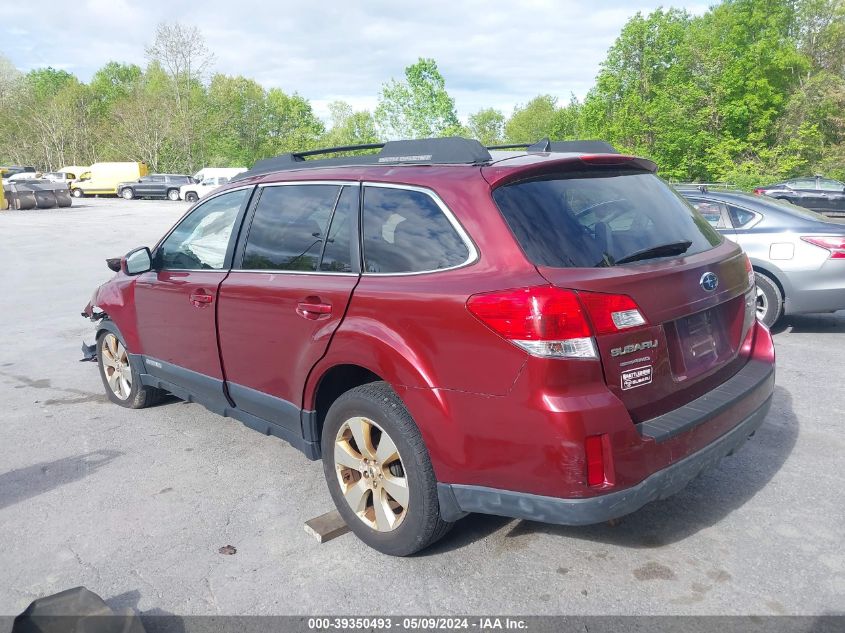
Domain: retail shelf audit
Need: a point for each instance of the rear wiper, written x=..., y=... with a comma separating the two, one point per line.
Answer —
x=664, y=250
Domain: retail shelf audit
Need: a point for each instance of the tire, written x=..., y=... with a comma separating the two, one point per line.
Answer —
x=191, y=196
x=399, y=530
x=769, y=300
x=127, y=194
x=127, y=390
x=173, y=195
x=78, y=193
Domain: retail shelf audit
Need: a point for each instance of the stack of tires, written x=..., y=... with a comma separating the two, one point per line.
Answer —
x=32, y=195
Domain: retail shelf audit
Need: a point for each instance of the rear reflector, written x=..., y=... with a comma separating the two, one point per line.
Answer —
x=595, y=460
x=542, y=320
x=612, y=313
x=836, y=245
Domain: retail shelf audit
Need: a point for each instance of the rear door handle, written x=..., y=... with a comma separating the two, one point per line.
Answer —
x=200, y=299
x=313, y=308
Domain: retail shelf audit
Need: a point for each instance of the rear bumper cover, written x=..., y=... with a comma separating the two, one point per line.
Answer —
x=456, y=500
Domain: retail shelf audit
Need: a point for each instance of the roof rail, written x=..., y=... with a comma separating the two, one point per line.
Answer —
x=586, y=147
x=429, y=151
x=578, y=147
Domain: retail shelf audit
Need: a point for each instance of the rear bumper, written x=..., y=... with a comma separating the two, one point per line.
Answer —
x=456, y=500
x=821, y=290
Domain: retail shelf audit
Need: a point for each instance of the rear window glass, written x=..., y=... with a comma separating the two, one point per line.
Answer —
x=594, y=219
x=288, y=227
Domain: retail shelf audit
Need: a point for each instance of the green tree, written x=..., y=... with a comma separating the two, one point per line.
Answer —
x=418, y=107
x=349, y=127
x=487, y=126
x=290, y=124
x=533, y=121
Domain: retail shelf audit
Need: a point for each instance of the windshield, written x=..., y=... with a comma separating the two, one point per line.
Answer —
x=598, y=218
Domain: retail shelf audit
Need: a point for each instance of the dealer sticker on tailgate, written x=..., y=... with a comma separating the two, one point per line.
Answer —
x=636, y=377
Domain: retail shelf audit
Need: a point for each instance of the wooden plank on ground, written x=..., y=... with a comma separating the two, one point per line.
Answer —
x=326, y=526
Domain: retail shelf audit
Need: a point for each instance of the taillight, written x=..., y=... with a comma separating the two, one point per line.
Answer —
x=836, y=245
x=759, y=192
x=553, y=322
x=543, y=320
x=749, y=270
x=612, y=313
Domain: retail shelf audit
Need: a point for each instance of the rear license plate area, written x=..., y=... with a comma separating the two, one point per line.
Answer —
x=699, y=342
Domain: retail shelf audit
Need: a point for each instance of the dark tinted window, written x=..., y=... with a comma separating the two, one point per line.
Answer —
x=337, y=256
x=595, y=218
x=406, y=231
x=156, y=179
x=202, y=238
x=289, y=227
x=740, y=217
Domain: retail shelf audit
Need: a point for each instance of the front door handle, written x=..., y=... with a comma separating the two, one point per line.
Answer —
x=313, y=308
x=201, y=298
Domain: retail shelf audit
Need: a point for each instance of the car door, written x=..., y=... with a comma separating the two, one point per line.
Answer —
x=295, y=269
x=804, y=193
x=834, y=195
x=176, y=301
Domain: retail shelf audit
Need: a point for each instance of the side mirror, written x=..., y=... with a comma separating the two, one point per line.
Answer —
x=137, y=261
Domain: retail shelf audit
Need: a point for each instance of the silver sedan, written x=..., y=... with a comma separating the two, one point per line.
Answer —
x=798, y=255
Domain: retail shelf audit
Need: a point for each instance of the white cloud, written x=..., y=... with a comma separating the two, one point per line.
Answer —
x=493, y=54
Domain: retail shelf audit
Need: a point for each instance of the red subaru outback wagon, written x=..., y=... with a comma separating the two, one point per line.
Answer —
x=551, y=334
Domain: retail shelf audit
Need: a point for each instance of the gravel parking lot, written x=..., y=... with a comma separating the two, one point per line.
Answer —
x=135, y=504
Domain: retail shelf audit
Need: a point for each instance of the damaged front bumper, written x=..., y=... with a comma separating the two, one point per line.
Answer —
x=92, y=313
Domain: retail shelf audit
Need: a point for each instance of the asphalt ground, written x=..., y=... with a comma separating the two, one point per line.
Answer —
x=135, y=505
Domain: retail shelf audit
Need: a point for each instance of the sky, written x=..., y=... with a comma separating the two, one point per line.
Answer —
x=492, y=53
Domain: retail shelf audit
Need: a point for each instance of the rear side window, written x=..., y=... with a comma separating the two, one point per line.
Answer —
x=406, y=231
x=710, y=210
x=597, y=218
x=740, y=217
x=289, y=226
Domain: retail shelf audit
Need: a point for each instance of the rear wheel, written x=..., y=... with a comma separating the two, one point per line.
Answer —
x=121, y=380
x=769, y=300
x=173, y=194
x=379, y=473
x=127, y=194
x=78, y=193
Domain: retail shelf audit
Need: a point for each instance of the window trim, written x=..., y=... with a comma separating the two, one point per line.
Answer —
x=238, y=255
x=236, y=229
x=472, y=256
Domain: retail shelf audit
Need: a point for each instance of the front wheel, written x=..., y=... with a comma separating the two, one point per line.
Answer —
x=769, y=300
x=127, y=194
x=78, y=193
x=121, y=380
x=173, y=195
x=191, y=196
x=379, y=473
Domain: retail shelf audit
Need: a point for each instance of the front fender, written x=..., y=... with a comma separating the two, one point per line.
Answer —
x=116, y=298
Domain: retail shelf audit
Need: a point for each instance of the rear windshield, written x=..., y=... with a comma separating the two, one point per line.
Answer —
x=597, y=218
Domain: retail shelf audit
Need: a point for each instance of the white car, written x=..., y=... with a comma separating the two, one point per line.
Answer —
x=195, y=191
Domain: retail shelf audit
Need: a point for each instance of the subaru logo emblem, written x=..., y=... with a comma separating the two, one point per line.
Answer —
x=709, y=281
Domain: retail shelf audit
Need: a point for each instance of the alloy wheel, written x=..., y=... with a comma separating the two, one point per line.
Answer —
x=116, y=366
x=762, y=304
x=371, y=475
